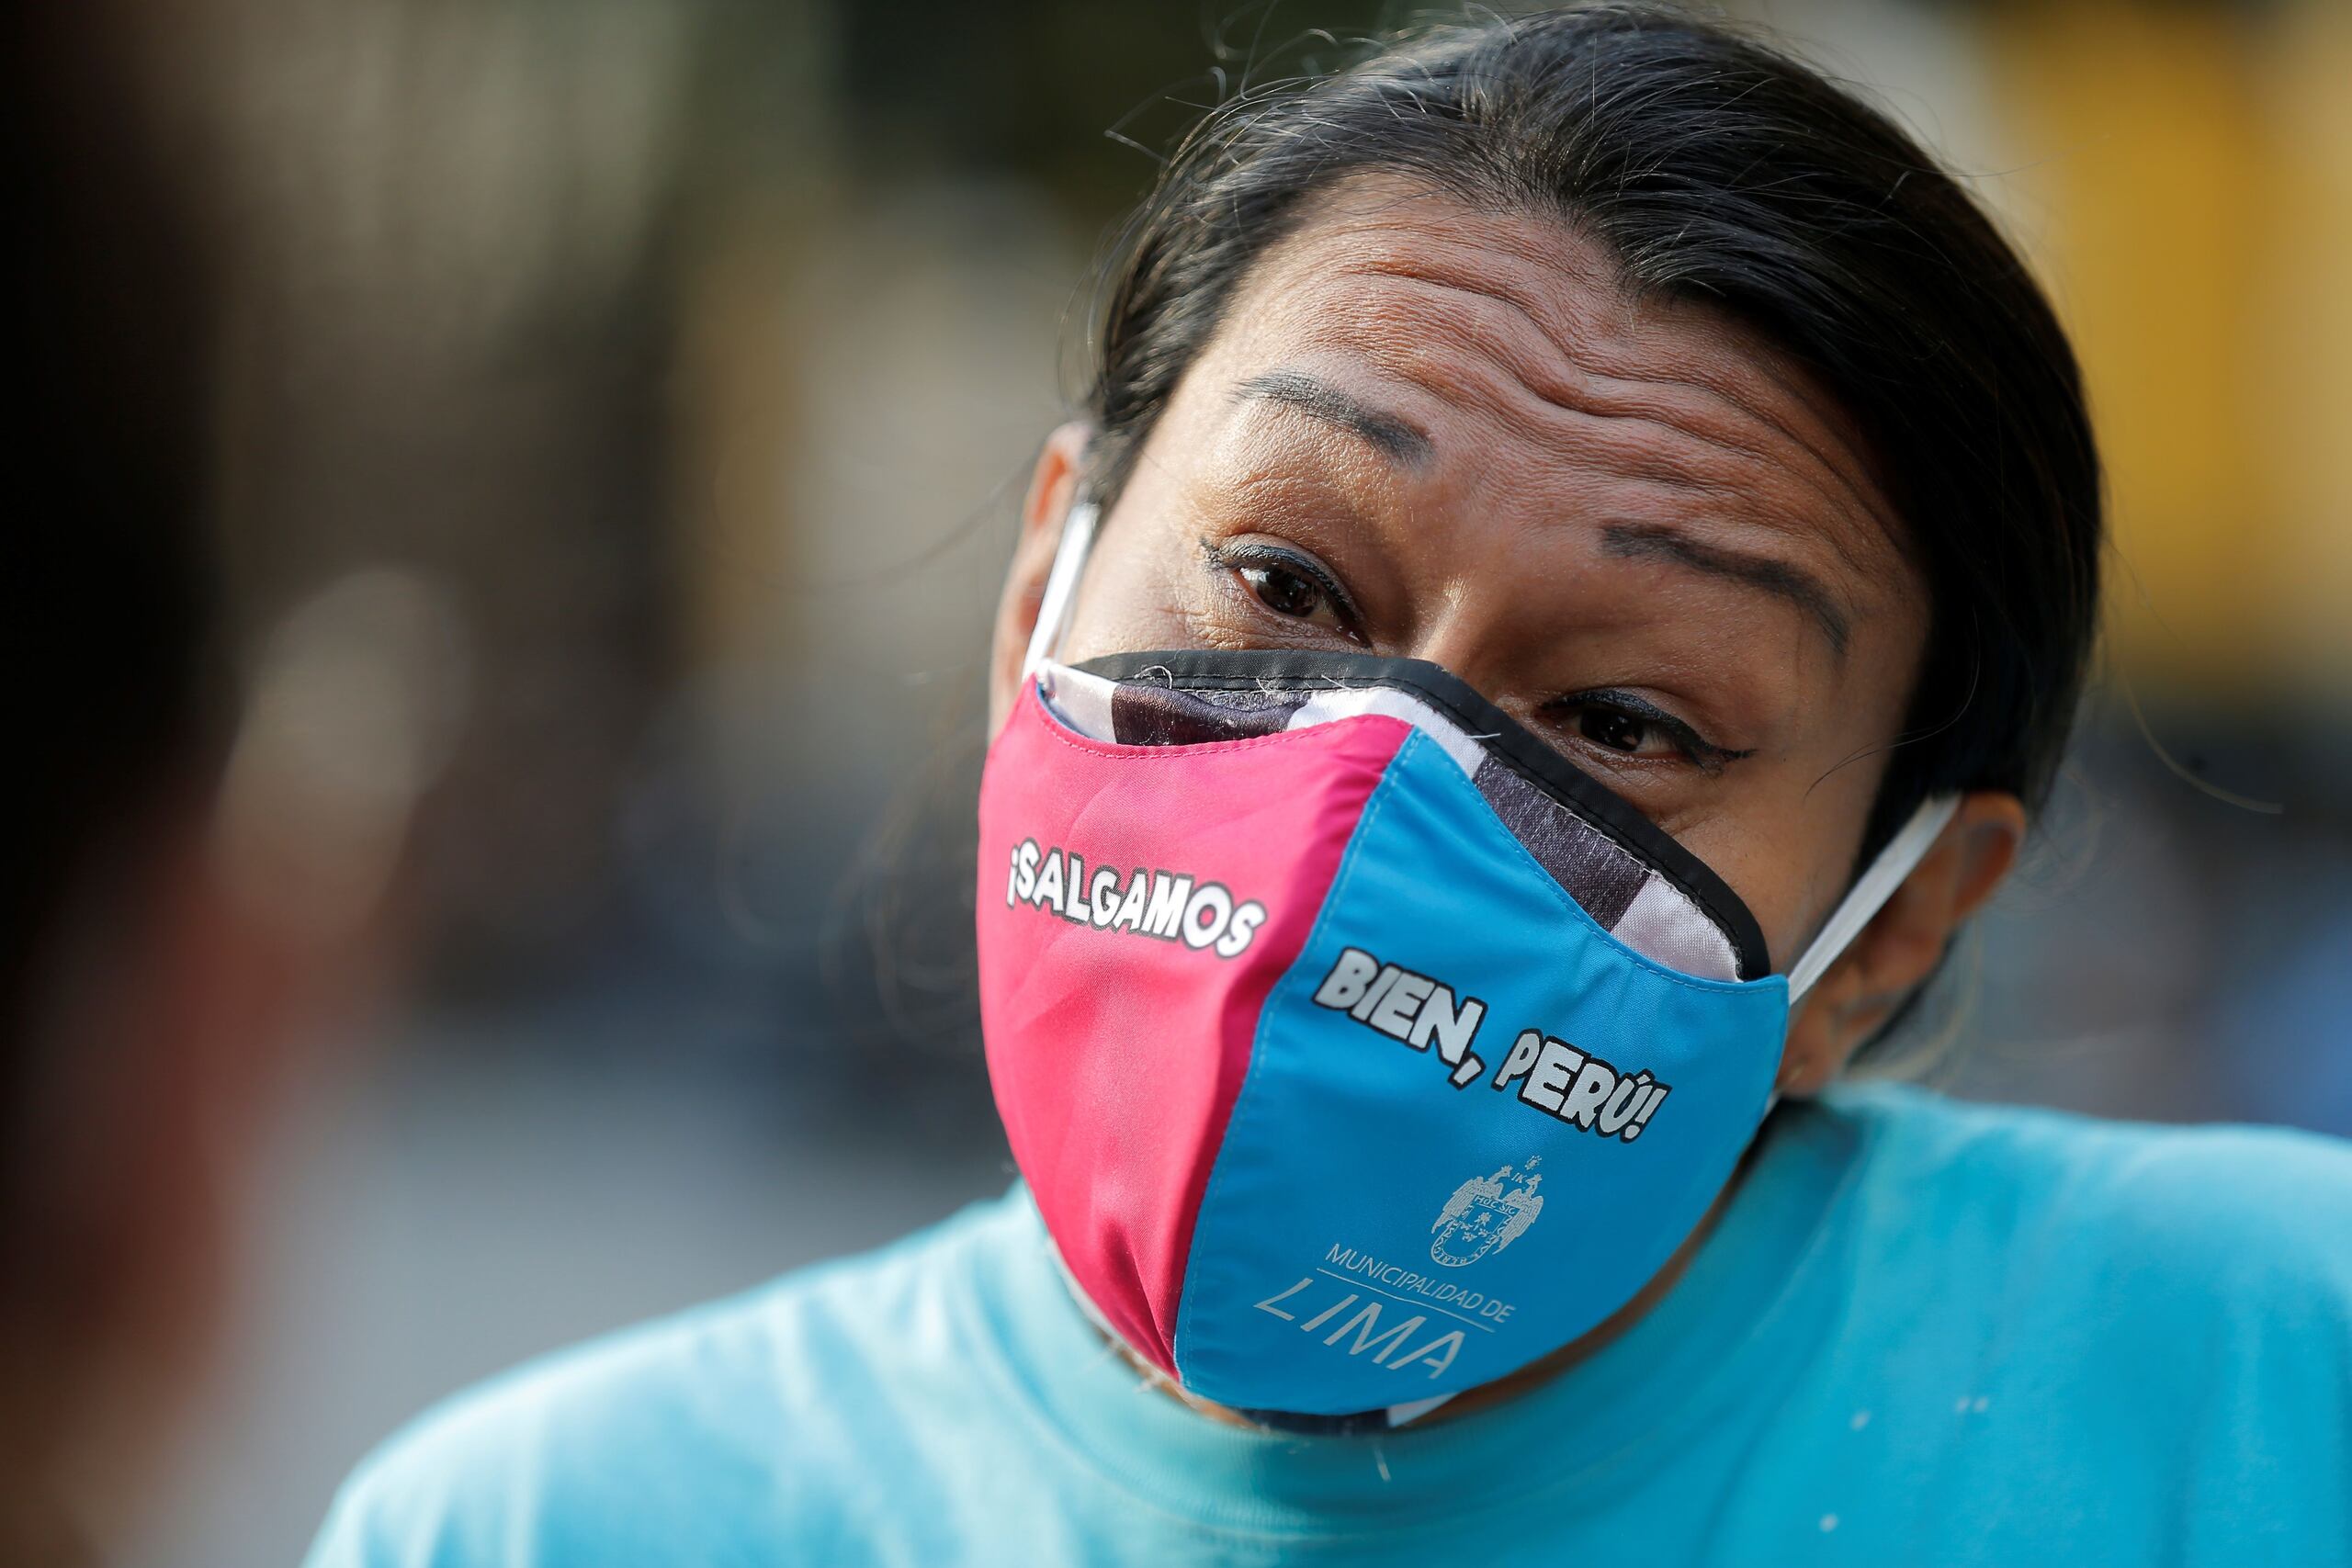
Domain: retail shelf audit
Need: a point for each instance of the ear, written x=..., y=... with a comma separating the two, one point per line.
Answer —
x=1052, y=488
x=1899, y=949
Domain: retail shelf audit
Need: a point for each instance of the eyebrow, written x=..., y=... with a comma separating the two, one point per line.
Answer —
x=1647, y=541
x=1401, y=440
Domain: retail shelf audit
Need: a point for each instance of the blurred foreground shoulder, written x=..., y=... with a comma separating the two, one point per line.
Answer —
x=770, y=1422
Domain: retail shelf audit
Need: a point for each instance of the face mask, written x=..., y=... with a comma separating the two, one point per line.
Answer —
x=1357, y=1048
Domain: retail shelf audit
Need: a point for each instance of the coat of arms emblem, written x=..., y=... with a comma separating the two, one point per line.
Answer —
x=1486, y=1214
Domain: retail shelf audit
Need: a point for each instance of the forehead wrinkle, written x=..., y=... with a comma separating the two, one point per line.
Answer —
x=1404, y=229
x=1578, y=390
x=1741, y=484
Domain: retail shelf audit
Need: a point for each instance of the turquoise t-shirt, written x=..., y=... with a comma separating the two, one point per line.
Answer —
x=1921, y=1333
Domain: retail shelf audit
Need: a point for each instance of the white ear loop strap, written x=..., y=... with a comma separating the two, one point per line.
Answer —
x=1871, y=890
x=1061, y=586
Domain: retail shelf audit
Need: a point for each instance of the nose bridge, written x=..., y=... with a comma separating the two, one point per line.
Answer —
x=1466, y=630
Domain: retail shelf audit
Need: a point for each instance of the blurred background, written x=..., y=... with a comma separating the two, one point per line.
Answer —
x=659, y=377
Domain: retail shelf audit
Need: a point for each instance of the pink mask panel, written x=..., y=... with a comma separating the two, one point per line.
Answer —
x=1168, y=889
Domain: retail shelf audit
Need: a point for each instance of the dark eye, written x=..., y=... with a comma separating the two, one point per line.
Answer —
x=1632, y=725
x=1613, y=727
x=1283, y=591
x=1291, y=585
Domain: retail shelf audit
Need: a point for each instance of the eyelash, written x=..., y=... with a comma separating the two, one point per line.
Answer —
x=1694, y=747
x=1239, y=558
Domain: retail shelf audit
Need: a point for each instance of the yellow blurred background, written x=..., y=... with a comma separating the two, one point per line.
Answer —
x=685, y=358
x=2187, y=194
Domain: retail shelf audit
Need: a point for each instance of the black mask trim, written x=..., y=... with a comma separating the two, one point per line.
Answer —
x=1503, y=737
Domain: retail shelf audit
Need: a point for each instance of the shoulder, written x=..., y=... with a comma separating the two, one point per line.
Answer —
x=701, y=1436
x=2153, y=1325
x=2213, y=1214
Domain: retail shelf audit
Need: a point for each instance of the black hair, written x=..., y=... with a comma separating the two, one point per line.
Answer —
x=1715, y=167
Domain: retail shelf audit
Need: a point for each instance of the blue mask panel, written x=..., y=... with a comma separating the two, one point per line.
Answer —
x=1475, y=1123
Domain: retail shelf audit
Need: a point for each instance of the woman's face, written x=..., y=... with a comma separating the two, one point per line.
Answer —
x=1439, y=433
